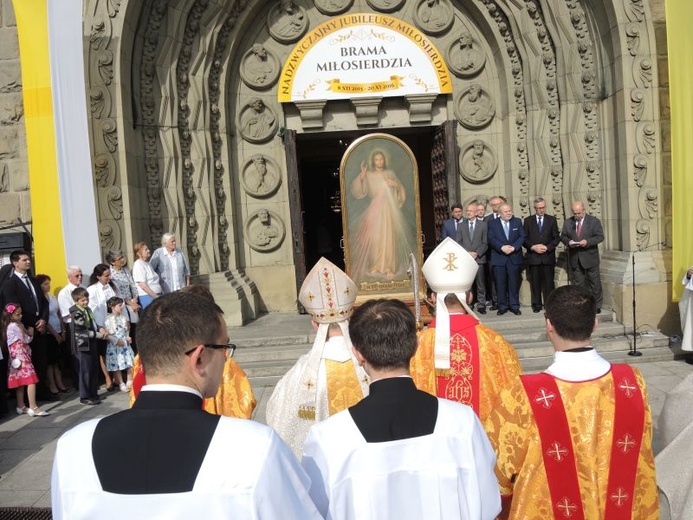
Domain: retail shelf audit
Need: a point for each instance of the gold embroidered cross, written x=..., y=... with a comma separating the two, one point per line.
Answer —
x=626, y=443
x=544, y=398
x=449, y=262
x=557, y=452
x=627, y=387
x=619, y=497
x=566, y=507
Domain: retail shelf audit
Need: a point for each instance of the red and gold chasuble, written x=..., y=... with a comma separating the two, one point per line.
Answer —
x=557, y=445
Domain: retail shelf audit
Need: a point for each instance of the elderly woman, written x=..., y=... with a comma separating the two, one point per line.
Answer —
x=148, y=286
x=170, y=264
x=121, y=276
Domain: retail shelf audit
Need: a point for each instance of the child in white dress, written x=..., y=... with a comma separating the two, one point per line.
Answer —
x=119, y=355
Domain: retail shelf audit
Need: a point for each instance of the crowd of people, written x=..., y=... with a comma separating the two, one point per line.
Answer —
x=496, y=240
x=87, y=332
x=378, y=420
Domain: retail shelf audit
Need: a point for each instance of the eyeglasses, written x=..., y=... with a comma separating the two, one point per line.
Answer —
x=230, y=349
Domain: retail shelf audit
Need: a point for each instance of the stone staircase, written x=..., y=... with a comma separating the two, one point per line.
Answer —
x=271, y=344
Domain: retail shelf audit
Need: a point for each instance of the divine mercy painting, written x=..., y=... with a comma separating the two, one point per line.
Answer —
x=380, y=212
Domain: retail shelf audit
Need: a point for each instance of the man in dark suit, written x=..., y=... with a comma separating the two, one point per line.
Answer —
x=167, y=457
x=542, y=238
x=399, y=452
x=471, y=235
x=22, y=288
x=495, y=203
x=505, y=238
x=582, y=234
x=450, y=225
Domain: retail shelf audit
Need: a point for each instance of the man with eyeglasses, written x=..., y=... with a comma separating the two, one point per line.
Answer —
x=582, y=234
x=168, y=458
x=542, y=238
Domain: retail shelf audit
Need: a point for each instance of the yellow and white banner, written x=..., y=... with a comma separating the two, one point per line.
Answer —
x=359, y=55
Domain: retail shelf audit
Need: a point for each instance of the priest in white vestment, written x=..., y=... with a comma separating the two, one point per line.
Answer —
x=400, y=452
x=686, y=311
x=328, y=379
x=168, y=458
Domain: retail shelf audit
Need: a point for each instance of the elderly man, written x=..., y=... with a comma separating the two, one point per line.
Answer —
x=582, y=234
x=542, y=238
x=65, y=301
x=505, y=238
x=576, y=440
x=400, y=452
x=458, y=358
x=170, y=264
x=166, y=457
x=328, y=379
x=473, y=237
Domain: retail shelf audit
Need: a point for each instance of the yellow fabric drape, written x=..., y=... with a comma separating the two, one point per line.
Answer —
x=679, y=14
x=32, y=30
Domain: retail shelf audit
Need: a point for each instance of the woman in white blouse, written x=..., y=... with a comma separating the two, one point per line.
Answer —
x=100, y=289
x=148, y=286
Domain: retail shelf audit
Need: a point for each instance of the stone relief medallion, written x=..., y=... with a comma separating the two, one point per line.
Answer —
x=260, y=177
x=287, y=22
x=264, y=231
x=478, y=163
x=333, y=7
x=385, y=6
x=257, y=122
x=474, y=109
x=434, y=16
x=465, y=57
x=260, y=67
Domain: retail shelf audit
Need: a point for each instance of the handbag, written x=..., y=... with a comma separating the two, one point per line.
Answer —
x=133, y=315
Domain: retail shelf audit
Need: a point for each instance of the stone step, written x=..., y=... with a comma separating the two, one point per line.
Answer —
x=288, y=352
x=621, y=343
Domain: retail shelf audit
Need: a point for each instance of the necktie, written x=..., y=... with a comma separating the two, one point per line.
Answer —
x=541, y=223
x=579, y=227
x=90, y=318
x=471, y=229
x=506, y=227
x=25, y=278
x=456, y=222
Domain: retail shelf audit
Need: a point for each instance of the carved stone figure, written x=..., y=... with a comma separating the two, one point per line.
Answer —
x=475, y=108
x=259, y=68
x=477, y=162
x=287, y=22
x=264, y=231
x=465, y=58
x=386, y=6
x=333, y=7
x=434, y=16
x=257, y=122
x=260, y=176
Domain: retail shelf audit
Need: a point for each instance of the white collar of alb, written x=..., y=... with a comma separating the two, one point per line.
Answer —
x=578, y=366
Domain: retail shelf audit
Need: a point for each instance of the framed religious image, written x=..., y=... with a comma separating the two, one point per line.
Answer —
x=380, y=215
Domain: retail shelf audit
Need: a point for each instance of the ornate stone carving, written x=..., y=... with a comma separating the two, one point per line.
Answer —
x=475, y=108
x=109, y=235
x=261, y=177
x=5, y=179
x=257, y=122
x=104, y=170
x=642, y=72
x=385, y=6
x=99, y=102
x=113, y=7
x=332, y=7
x=114, y=201
x=260, y=67
x=287, y=22
x=640, y=171
x=109, y=132
x=99, y=33
x=478, y=162
x=264, y=231
x=434, y=16
x=633, y=38
x=642, y=234
x=637, y=104
x=106, y=66
x=646, y=137
x=635, y=10
x=465, y=57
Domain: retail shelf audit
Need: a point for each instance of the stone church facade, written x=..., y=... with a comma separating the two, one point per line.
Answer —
x=564, y=100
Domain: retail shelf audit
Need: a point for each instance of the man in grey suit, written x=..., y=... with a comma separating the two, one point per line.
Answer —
x=472, y=235
x=582, y=234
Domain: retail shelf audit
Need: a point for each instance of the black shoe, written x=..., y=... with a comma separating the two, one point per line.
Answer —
x=689, y=359
x=494, y=307
x=536, y=309
x=48, y=396
x=599, y=311
x=481, y=310
x=87, y=402
x=516, y=312
x=501, y=312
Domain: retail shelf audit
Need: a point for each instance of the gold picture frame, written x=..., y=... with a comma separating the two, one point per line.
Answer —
x=379, y=180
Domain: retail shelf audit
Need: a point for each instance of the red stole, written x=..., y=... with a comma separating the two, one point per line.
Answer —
x=461, y=382
x=557, y=444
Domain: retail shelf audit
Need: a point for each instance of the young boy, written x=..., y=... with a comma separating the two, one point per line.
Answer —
x=84, y=335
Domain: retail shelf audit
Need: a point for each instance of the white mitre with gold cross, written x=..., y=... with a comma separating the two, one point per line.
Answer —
x=328, y=295
x=448, y=269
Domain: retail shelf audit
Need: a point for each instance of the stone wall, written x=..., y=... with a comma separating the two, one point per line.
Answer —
x=14, y=171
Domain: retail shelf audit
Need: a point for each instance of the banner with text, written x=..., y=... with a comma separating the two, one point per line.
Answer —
x=361, y=55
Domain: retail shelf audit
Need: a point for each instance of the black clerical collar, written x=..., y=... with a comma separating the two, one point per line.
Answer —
x=578, y=349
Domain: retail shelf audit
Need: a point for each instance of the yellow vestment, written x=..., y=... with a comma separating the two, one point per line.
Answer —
x=589, y=408
x=499, y=366
x=234, y=398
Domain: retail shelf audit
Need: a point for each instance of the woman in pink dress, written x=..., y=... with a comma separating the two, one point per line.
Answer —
x=21, y=370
